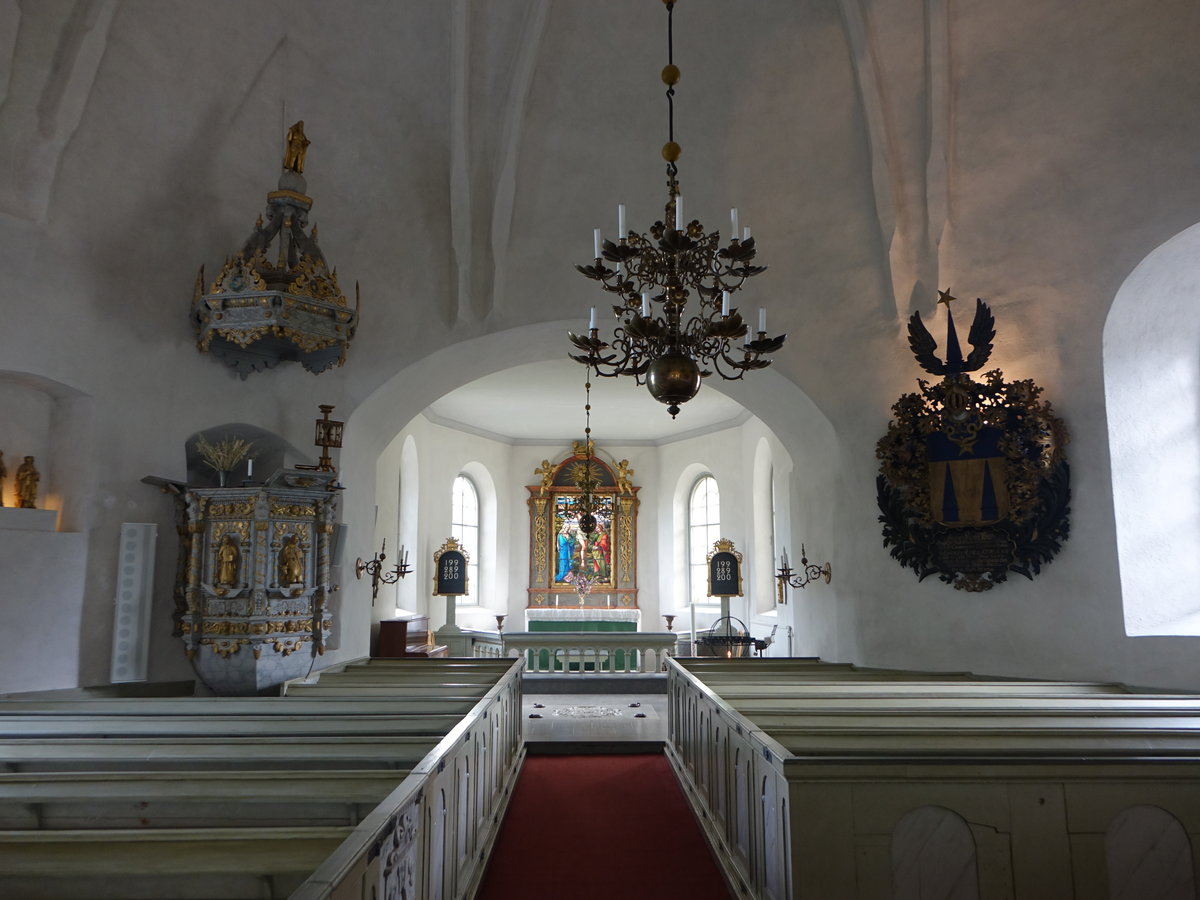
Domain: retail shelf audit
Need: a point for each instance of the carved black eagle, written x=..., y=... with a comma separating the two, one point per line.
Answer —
x=983, y=329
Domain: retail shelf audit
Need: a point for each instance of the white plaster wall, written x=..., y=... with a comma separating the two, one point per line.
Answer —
x=41, y=599
x=1025, y=153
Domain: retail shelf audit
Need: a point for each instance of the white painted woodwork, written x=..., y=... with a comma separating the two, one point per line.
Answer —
x=810, y=799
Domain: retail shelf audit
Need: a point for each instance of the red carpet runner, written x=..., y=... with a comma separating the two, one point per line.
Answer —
x=600, y=828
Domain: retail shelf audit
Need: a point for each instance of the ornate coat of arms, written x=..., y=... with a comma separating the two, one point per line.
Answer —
x=973, y=483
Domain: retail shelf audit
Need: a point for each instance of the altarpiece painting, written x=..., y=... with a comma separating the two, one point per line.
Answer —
x=568, y=567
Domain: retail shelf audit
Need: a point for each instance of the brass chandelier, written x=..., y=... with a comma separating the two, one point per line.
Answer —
x=659, y=341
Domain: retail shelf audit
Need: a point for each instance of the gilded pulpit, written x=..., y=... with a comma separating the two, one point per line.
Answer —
x=255, y=578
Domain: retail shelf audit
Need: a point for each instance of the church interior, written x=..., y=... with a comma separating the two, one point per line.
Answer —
x=408, y=392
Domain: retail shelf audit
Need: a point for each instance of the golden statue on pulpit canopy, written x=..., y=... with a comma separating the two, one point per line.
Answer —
x=297, y=146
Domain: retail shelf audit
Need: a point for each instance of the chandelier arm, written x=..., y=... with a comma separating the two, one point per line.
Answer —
x=739, y=367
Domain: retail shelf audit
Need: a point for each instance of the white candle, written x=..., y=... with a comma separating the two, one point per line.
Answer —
x=596, y=241
x=645, y=304
x=745, y=234
x=621, y=221
x=762, y=320
x=249, y=468
x=679, y=212
x=733, y=224
x=725, y=302
x=592, y=320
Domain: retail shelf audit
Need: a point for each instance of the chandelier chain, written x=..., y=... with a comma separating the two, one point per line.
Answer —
x=660, y=341
x=672, y=169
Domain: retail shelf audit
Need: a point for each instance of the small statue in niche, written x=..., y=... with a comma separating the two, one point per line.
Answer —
x=3, y=475
x=227, y=561
x=291, y=562
x=624, y=477
x=297, y=146
x=27, y=482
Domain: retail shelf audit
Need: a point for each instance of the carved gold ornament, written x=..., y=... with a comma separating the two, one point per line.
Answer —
x=277, y=298
x=973, y=481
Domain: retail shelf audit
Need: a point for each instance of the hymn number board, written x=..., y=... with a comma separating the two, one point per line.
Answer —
x=724, y=570
x=450, y=570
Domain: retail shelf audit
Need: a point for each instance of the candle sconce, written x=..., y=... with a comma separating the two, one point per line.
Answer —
x=374, y=568
x=802, y=577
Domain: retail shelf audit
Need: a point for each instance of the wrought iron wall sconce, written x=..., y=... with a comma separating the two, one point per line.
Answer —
x=802, y=577
x=374, y=568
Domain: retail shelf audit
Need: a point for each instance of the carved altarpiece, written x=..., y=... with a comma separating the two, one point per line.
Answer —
x=559, y=551
x=254, y=579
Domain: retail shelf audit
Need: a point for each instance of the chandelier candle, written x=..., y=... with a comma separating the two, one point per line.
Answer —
x=673, y=288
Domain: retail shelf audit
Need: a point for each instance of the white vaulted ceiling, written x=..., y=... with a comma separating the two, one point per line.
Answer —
x=500, y=405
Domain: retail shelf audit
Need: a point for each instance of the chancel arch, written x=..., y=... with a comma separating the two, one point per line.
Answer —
x=1152, y=397
x=399, y=410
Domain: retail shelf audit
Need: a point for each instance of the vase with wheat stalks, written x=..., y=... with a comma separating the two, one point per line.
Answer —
x=223, y=455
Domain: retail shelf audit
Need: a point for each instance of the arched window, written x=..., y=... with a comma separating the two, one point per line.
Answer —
x=464, y=526
x=704, y=528
x=1152, y=400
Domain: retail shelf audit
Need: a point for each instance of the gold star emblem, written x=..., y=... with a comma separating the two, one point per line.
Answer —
x=945, y=297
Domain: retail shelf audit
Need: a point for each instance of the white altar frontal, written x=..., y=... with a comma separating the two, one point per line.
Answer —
x=587, y=618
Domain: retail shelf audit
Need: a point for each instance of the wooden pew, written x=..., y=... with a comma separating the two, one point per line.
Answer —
x=802, y=774
x=335, y=764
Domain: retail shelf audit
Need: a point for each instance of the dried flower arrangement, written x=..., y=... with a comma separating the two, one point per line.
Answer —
x=225, y=453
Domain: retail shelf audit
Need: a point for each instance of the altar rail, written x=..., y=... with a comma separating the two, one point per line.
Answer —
x=815, y=780
x=591, y=652
x=485, y=644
